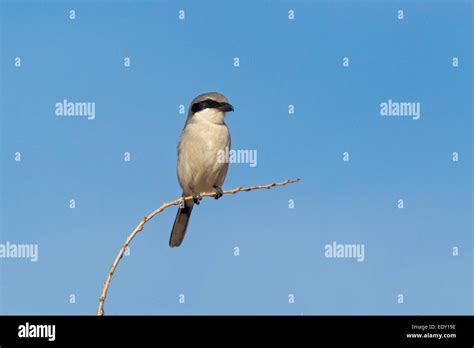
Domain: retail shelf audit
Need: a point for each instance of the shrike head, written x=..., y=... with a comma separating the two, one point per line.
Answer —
x=210, y=107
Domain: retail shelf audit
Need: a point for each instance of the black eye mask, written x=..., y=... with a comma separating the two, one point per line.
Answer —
x=205, y=104
x=211, y=104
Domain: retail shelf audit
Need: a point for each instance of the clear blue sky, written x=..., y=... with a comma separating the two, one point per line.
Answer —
x=407, y=251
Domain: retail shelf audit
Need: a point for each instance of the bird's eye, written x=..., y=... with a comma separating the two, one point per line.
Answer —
x=211, y=103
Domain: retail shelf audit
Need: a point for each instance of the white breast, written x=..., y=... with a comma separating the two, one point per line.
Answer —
x=199, y=168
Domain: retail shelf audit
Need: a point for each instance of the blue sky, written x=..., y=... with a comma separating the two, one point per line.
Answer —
x=407, y=251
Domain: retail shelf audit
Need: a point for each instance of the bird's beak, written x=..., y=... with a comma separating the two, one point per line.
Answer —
x=225, y=107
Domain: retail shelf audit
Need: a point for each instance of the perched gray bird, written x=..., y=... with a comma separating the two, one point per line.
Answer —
x=200, y=166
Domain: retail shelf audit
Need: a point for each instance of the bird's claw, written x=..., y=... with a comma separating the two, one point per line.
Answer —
x=197, y=198
x=219, y=192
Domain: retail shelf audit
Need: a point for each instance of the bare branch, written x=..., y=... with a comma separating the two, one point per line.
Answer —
x=139, y=228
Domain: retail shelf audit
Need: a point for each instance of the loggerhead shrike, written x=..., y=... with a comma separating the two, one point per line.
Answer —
x=204, y=136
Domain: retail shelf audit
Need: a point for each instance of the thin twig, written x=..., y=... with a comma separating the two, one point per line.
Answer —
x=139, y=228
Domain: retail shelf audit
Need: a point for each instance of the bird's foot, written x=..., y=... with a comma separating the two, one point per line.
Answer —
x=219, y=192
x=197, y=198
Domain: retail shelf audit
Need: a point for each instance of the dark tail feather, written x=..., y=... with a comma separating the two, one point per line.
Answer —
x=180, y=225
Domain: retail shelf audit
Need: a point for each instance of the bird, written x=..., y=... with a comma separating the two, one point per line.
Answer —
x=200, y=167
